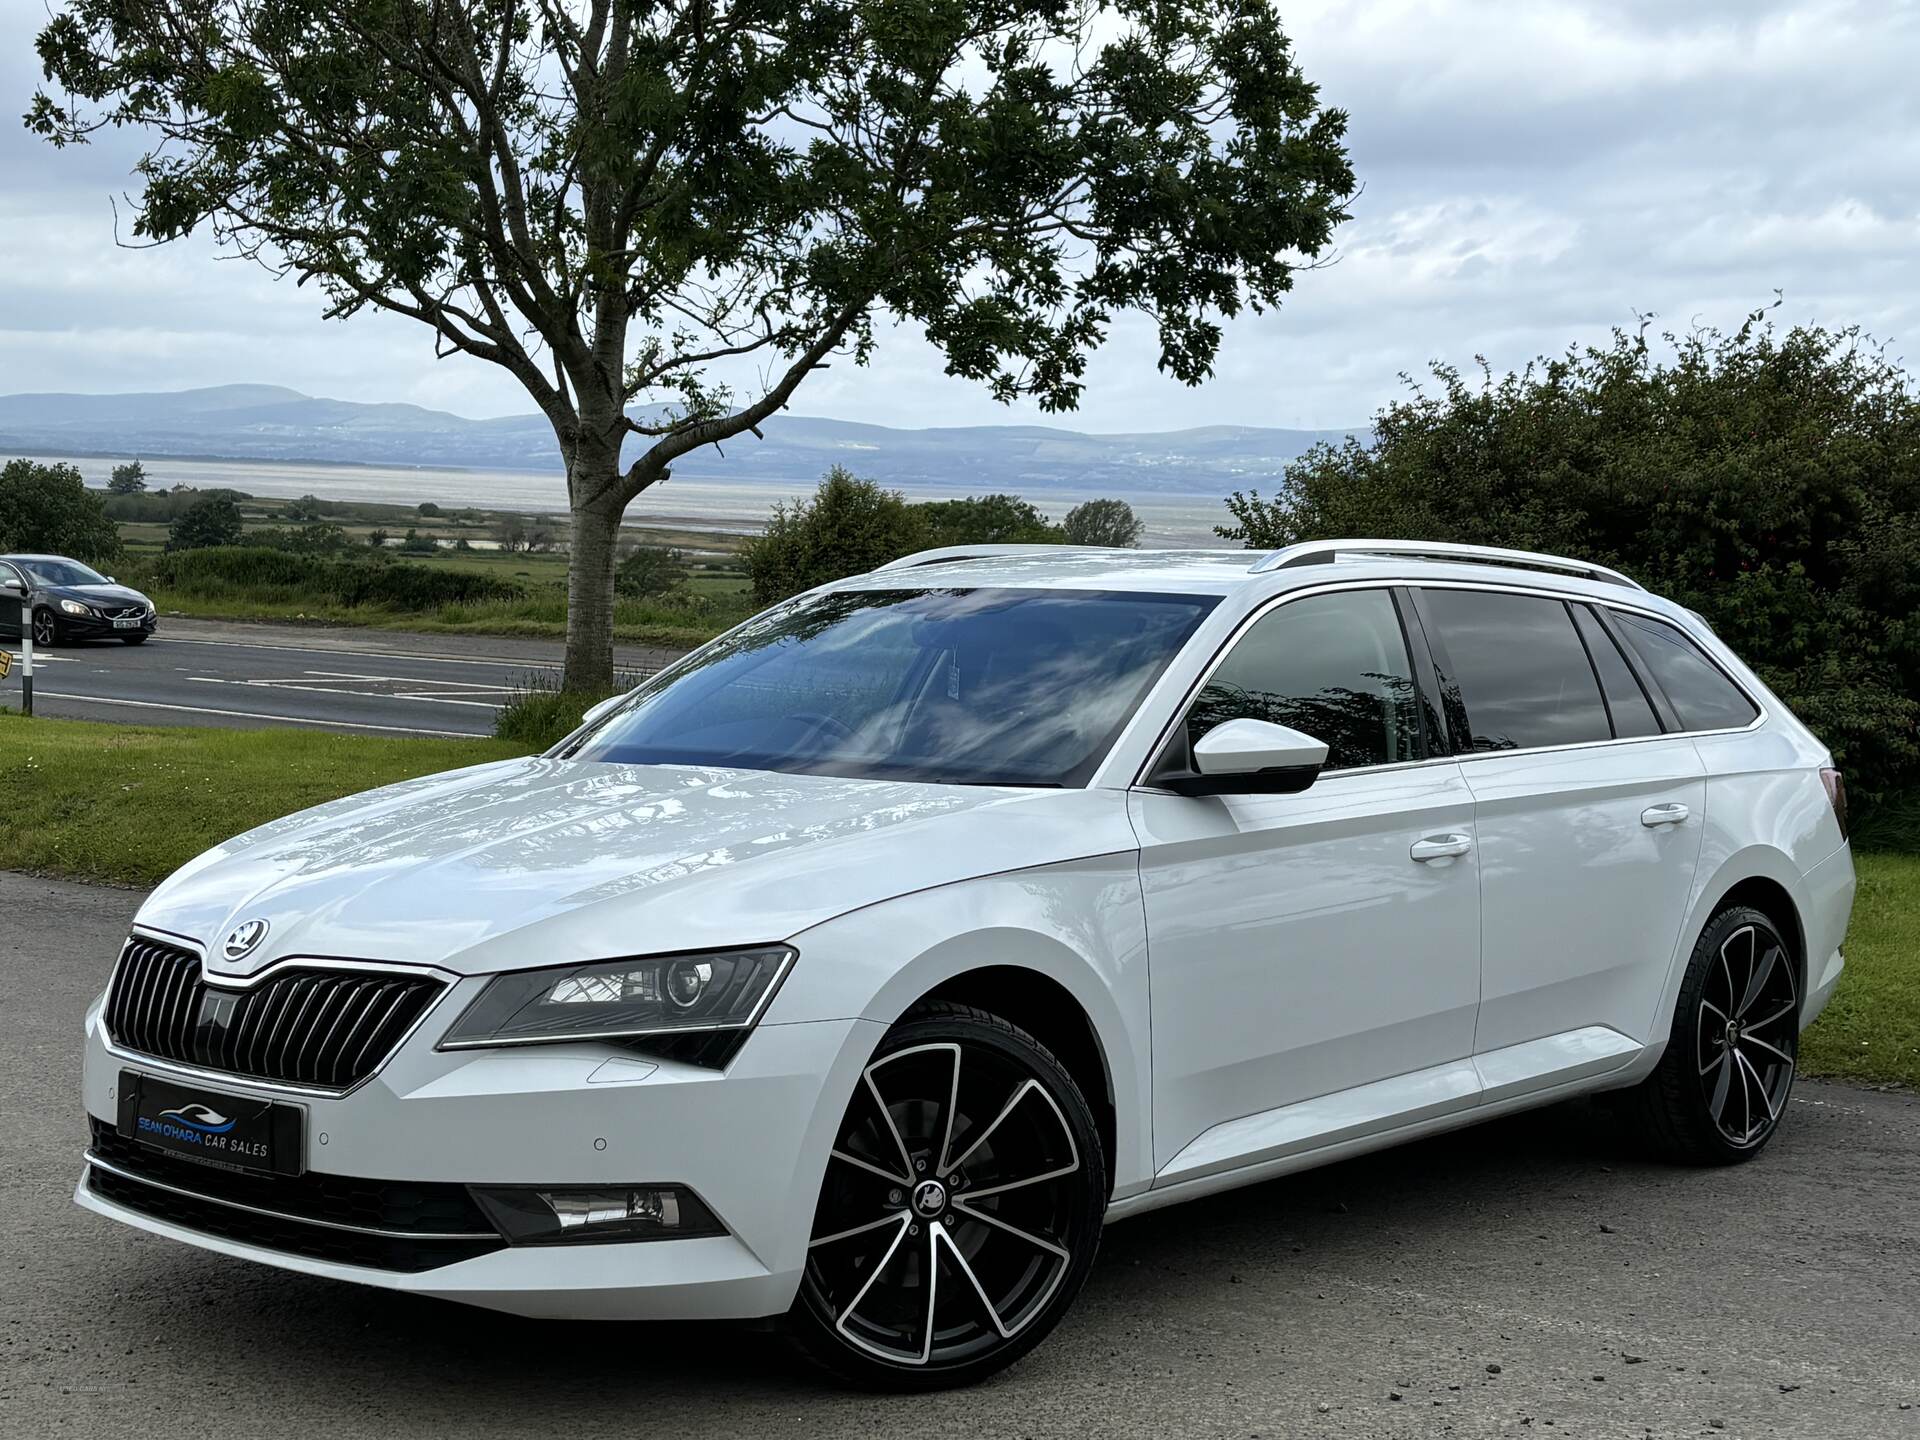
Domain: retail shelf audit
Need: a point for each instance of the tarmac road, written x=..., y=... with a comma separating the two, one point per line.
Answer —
x=205, y=672
x=1374, y=1298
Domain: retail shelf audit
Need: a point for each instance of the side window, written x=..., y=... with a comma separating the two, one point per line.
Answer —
x=1523, y=674
x=1702, y=695
x=1627, y=703
x=1334, y=666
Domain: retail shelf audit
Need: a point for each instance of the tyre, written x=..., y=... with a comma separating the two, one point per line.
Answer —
x=140, y=639
x=1720, y=1090
x=46, y=629
x=960, y=1211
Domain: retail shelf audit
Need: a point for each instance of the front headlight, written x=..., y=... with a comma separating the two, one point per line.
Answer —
x=623, y=999
x=74, y=607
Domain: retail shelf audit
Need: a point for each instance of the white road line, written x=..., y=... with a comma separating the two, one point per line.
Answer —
x=258, y=715
x=349, y=653
x=40, y=657
x=338, y=693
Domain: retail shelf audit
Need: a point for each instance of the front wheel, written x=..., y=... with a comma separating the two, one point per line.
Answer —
x=1721, y=1088
x=46, y=629
x=961, y=1207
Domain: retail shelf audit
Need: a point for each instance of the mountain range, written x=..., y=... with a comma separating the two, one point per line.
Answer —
x=269, y=422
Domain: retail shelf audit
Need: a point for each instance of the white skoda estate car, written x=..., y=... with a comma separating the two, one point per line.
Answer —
x=860, y=967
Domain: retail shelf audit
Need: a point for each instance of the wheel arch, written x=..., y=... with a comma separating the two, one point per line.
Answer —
x=1051, y=1014
x=1761, y=876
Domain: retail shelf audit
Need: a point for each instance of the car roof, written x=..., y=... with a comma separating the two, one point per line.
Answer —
x=1240, y=572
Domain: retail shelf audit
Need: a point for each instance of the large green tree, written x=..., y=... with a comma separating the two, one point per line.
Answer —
x=611, y=198
x=48, y=509
x=1769, y=481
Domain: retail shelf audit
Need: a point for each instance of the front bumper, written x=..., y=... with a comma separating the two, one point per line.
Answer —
x=751, y=1141
x=98, y=627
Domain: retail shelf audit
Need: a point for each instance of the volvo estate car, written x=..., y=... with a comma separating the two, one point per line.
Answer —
x=862, y=966
x=69, y=601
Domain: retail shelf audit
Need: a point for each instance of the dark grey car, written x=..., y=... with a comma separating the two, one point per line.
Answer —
x=71, y=601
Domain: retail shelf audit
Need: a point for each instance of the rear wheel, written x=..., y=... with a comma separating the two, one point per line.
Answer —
x=961, y=1206
x=46, y=629
x=1721, y=1088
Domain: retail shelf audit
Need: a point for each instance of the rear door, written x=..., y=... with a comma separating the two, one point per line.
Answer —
x=10, y=608
x=1588, y=815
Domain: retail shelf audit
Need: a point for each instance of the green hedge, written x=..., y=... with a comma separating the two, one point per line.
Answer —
x=257, y=573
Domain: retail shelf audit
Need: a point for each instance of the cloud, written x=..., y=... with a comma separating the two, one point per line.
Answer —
x=1535, y=172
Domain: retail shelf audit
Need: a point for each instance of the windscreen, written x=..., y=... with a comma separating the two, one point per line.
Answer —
x=979, y=686
x=61, y=572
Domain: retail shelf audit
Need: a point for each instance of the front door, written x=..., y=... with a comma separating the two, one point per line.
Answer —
x=1303, y=945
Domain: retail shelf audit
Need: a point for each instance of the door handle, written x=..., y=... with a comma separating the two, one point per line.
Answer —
x=1440, y=847
x=1655, y=816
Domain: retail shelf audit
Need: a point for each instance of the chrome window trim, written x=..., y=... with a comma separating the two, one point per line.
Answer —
x=1274, y=602
x=95, y=1162
x=229, y=1080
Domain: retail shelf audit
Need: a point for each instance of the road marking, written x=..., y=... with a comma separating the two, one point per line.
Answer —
x=258, y=715
x=348, y=652
x=339, y=692
x=41, y=657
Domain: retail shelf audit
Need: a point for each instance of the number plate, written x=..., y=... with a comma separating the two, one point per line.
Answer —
x=229, y=1130
x=133, y=624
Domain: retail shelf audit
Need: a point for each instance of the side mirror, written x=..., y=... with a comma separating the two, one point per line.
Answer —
x=13, y=590
x=594, y=712
x=1251, y=757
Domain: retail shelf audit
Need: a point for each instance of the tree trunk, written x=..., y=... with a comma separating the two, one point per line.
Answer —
x=596, y=531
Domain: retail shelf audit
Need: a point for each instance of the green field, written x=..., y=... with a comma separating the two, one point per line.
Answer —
x=713, y=597
x=126, y=805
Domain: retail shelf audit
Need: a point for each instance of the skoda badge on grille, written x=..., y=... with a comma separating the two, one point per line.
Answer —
x=244, y=939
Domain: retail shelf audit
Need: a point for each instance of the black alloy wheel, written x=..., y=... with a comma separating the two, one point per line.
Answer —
x=46, y=629
x=1721, y=1089
x=961, y=1206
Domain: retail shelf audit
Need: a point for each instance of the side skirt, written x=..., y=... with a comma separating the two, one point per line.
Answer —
x=1386, y=1113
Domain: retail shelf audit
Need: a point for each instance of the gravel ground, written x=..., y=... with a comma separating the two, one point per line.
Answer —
x=1529, y=1277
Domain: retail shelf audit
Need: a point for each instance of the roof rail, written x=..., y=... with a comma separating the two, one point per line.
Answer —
x=1319, y=552
x=946, y=553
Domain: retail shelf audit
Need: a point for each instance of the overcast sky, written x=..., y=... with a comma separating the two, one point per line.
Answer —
x=1534, y=172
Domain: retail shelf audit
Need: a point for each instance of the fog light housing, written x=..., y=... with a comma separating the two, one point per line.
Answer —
x=590, y=1214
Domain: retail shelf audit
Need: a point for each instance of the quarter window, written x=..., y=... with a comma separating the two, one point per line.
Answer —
x=1627, y=703
x=1523, y=674
x=1334, y=666
x=1702, y=695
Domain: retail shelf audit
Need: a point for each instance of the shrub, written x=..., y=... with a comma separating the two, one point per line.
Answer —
x=986, y=520
x=1770, y=482
x=849, y=525
x=258, y=573
x=539, y=715
x=209, y=521
x=49, y=508
x=1103, y=522
x=651, y=570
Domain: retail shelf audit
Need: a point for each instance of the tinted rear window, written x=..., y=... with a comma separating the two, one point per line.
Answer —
x=1702, y=695
x=1521, y=669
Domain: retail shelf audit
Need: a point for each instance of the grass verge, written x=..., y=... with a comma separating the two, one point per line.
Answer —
x=127, y=805
x=1871, y=1030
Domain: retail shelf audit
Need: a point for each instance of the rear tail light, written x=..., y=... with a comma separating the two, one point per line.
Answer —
x=1836, y=784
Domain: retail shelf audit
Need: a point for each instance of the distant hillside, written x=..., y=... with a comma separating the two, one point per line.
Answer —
x=268, y=422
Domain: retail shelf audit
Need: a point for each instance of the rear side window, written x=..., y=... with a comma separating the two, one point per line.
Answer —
x=1522, y=671
x=1334, y=666
x=1627, y=703
x=1702, y=695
